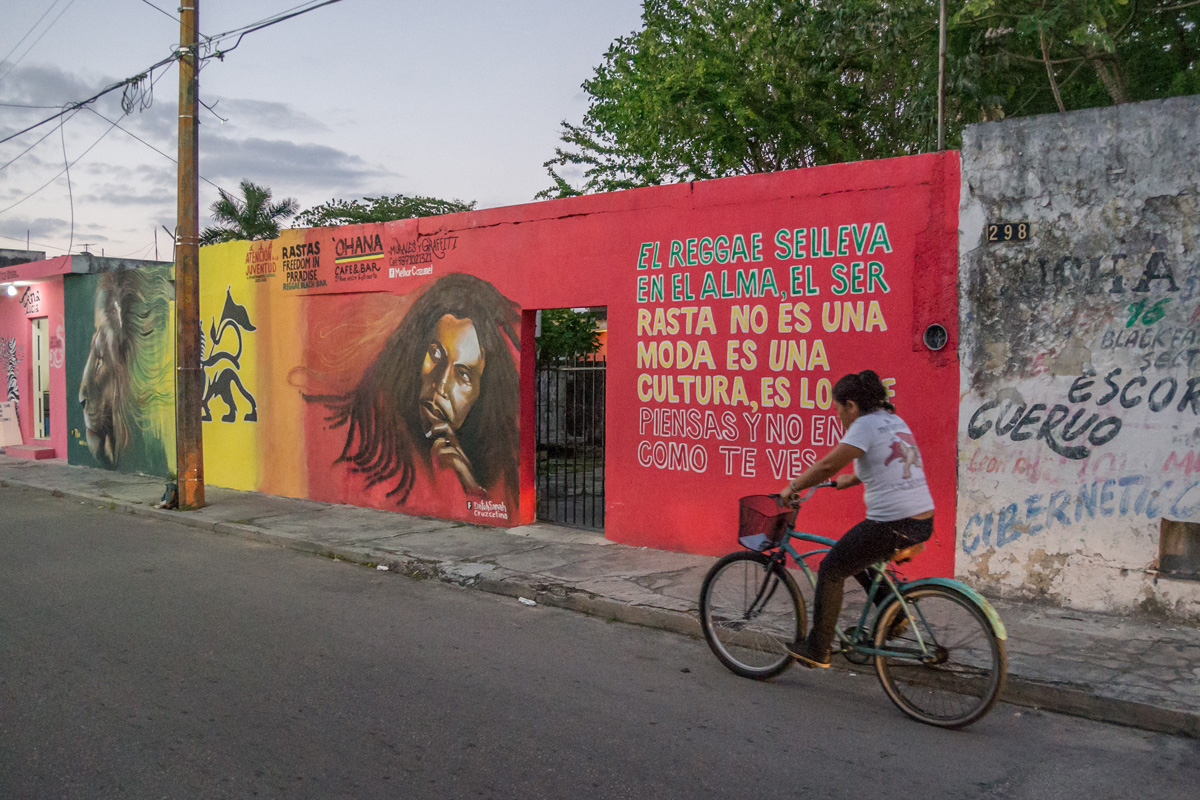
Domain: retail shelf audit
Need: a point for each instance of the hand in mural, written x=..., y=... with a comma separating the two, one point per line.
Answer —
x=446, y=452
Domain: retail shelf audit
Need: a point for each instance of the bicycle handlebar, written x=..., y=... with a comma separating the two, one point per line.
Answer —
x=829, y=484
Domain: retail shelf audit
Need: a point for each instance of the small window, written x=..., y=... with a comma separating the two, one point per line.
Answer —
x=1179, y=550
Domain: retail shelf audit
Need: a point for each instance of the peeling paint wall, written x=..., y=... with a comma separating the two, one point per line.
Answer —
x=1079, y=423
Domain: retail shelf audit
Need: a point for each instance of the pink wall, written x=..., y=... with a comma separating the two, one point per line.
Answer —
x=41, y=298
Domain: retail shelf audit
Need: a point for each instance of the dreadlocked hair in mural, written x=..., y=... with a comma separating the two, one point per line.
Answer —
x=127, y=390
x=385, y=434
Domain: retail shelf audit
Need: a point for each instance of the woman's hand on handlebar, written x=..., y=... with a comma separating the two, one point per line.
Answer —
x=791, y=497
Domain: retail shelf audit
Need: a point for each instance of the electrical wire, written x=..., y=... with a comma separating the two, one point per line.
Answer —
x=112, y=125
x=56, y=177
x=28, y=242
x=70, y=192
x=35, y=41
x=167, y=14
x=258, y=26
x=31, y=30
x=152, y=147
x=81, y=103
x=218, y=54
x=45, y=136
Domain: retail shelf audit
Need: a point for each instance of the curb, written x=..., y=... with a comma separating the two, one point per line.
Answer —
x=1068, y=699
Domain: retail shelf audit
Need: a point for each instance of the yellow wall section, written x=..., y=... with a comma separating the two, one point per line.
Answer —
x=230, y=448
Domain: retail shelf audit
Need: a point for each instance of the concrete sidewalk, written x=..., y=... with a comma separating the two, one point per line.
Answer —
x=1125, y=670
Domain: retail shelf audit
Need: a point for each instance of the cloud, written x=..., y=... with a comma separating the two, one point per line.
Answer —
x=38, y=227
x=48, y=86
x=258, y=115
x=122, y=196
x=287, y=167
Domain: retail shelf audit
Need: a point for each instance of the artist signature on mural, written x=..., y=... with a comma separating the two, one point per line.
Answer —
x=31, y=301
x=422, y=250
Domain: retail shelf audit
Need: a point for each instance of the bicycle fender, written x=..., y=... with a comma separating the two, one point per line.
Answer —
x=974, y=596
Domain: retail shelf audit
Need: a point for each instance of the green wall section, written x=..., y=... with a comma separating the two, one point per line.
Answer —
x=134, y=372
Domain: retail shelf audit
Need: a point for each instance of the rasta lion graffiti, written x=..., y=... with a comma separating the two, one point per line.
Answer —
x=234, y=318
x=128, y=380
x=443, y=394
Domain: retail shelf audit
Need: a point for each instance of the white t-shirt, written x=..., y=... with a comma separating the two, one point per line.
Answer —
x=890, y=467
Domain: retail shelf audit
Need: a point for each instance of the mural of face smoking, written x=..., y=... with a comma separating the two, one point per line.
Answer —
x=441, y=396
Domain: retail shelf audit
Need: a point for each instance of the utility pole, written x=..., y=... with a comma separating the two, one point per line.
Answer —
x=941, y=122
x=189, y=375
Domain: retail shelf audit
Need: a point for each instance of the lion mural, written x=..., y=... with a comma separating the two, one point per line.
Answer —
x=127, y=388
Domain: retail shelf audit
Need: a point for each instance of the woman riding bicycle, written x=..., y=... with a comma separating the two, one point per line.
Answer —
x=899, y=505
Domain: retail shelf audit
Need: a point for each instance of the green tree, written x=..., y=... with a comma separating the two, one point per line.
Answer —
x=710, y=88
x=378, y=209
x=1020, y=57
x=567, y=334
x=253, y=216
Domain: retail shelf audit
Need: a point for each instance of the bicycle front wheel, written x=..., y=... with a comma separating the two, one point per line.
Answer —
x=957, y=676
x=750, y=610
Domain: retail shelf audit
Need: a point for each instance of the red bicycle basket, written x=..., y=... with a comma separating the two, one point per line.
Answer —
x=761, y=521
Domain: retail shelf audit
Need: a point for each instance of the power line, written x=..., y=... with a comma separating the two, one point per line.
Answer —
x=35, y=41
x=66, y=169
x=56, y=177
x=45, y=136
x=27, y=242
x=143, y=141
x=81, y=103
x=31, y=30
x=219, y=54
x=70, y=192
x=258, y=26
x=167, y=14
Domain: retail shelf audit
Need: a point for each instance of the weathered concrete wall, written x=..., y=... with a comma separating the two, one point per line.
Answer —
x=1079, y=427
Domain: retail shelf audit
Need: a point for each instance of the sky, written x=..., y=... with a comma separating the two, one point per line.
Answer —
x=454, y=99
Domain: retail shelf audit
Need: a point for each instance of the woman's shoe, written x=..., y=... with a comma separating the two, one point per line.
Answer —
x=802, y=653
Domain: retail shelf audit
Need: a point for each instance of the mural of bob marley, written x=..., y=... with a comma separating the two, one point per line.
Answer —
x=443, y=394
x=126, y=390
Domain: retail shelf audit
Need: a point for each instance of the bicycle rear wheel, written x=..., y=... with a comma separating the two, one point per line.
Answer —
x=959, y=677
x=750, y=610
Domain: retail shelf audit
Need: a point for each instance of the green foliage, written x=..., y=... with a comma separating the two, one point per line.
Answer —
x=711, y=88
x=1021, y=57
x=378, y=209
x=567, y=335
x=252, y=217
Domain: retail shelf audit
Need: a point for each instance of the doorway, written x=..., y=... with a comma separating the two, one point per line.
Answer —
x=41, y=378
x=569, y=406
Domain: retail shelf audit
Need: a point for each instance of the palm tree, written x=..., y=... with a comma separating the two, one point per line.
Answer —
x=252, y=217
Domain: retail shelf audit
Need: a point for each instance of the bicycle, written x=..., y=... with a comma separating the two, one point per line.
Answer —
x=937, y=644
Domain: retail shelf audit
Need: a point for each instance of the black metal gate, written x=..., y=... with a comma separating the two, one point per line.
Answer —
x=570, y=443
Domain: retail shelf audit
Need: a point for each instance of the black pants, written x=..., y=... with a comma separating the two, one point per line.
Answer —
x=865, y=544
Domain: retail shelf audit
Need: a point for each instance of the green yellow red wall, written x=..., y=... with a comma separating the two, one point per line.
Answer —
x=842, y=267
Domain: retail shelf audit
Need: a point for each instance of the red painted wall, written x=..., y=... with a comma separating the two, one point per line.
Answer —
x=872, y=244
x=843, y=267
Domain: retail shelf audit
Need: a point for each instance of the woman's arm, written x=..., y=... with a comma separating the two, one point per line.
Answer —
x=825, y=468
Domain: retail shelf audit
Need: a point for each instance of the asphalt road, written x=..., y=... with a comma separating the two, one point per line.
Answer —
x=146, y=660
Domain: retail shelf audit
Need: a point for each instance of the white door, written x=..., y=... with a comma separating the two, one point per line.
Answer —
x=41, y=378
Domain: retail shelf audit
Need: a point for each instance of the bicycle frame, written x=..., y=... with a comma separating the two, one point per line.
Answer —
x=870, y=611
